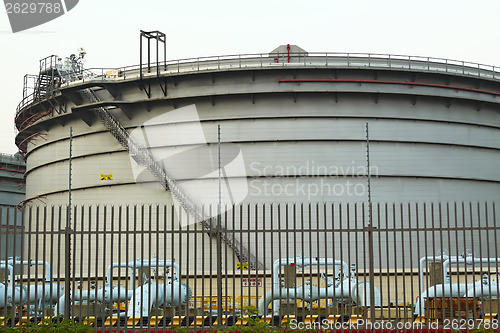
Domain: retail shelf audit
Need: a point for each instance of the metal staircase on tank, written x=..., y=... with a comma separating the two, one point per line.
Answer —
x=47, y=78
x=143, y=156
x=53, y=73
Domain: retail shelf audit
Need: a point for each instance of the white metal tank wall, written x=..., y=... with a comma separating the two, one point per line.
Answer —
x=328, y=138
x=414, y=159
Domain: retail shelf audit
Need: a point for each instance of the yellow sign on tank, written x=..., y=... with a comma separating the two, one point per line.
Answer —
x=243, y=265
x=107, y=177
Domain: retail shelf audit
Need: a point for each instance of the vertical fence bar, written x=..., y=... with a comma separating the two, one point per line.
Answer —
x=457, y=245
x=119, y=233
x=426, y=247
x=240, y=233
x=319, y=255
x=497, y=255
x=105, y=248
x=345, y=211
x=264, y=230
x=3, y=259
x=419, y=255
x=387, y=255
x=98, y=246
x=165, y=248
x=387, y=247
x=272, y=246
x=295, y=242
x=249, y=241
x=287, y=235
x=465, y=246
x=113, y=247
x=57, y=257
x=488, y=255
x=322, y=228
x=451, y=248
x=79, y=234
x=360, y=246
x=233, y=265
x=300, y=230
x=310, y=254
x=158, y=252
x=176, y=256
x=73, y=254
x=256, y=235
x=481, y=264
x=412, y=277
x=141, y=267
x=26, y=293
x=403, y=262
x=187, y=265
x=134, y=257
x=472, y=232
x=36, y=247
x=224, y=263
x=393, y=228
x=9, y=280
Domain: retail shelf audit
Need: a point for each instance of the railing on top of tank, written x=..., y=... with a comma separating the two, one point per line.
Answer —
x=310, y=59
x=31, y=98
x=313, y=59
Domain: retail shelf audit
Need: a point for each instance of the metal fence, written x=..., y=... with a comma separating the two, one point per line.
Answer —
x=405, y=265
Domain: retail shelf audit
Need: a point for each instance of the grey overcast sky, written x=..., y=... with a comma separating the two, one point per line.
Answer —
x=109, y=31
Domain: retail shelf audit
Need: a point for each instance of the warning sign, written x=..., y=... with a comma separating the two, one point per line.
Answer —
x=107, y=177
x=243, y=265
x=251, y=282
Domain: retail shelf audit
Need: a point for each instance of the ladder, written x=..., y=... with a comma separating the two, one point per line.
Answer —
x=45, y=83
x=143, y=156
x=42, y=87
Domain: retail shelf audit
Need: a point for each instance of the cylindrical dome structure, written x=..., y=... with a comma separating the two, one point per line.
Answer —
x=300, y=126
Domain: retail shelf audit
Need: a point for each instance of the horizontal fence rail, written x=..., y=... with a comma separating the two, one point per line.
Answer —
x=339, y=266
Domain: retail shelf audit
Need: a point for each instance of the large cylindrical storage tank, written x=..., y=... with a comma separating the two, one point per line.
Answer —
x=302, y=123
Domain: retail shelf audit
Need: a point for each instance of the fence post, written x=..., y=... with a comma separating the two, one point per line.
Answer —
x=67, y=232
x=219, y=241
x=370, y=230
